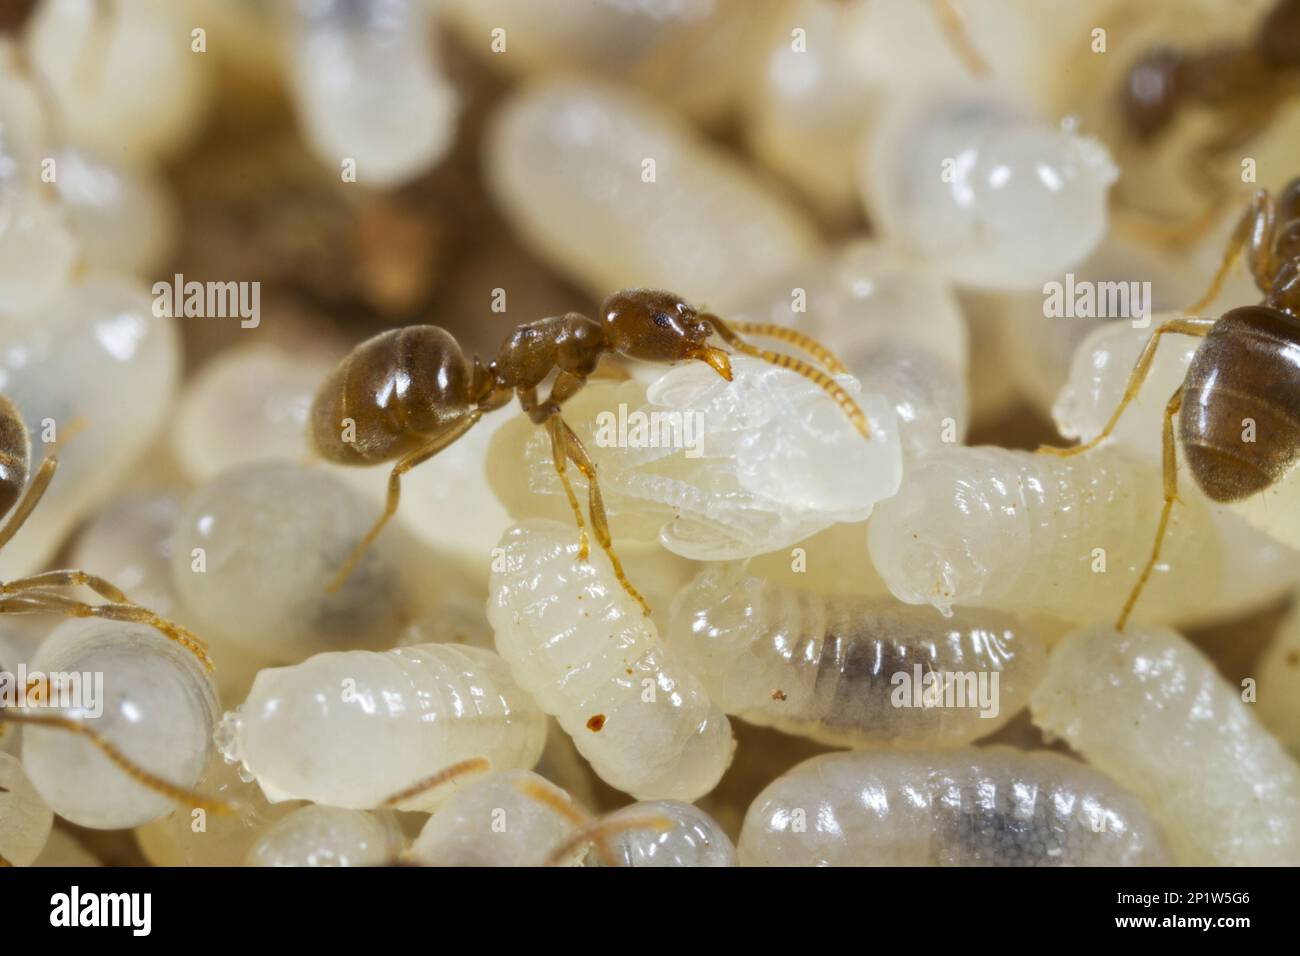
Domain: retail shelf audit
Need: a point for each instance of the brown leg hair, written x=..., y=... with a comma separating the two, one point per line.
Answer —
x=442, y=777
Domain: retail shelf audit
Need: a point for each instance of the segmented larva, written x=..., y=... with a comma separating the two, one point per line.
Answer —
x=329, y=836
x=1150, y=710
x=970, y=807
x=25, y=819
x=695, y=839
x=353, y=728
x=1065, y=537
x=159, y=710
x=585, y=650
x=849, y=670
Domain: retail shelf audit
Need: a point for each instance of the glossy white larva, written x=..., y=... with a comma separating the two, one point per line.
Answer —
x=254, y=548
x=499, y=820
x=1038, y=534
x=1149, y=709
x=719, y=470
x=159, y=708
x=25, y=819
x=329, y=836
x=99, y=368
x=369, y=88
x=354, y=728
x=129, y=543
x=848, y=670
x=583, y=648
x=970, y=807
x=617, y=194
x=695, y=839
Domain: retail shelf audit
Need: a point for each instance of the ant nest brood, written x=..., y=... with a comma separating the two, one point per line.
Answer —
x=558, y=453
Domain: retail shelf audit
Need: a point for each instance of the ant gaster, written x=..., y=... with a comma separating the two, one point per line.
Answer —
x=1247, y=367
x=406, y=394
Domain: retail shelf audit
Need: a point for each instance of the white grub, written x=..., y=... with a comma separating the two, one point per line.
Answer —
x=971, y=807
x=583, y=648
x=329, y=836
x=1150, y=710
x=355, y=728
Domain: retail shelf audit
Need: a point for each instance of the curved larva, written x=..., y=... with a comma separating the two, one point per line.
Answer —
x=329, y=836
x=570, y=160
x=970, y=807
x=99, y=364
x=1065, y=537
x=849, y=670
x=354, y=728
x=695, y=839
x=25, y=820
x=1150, y=710
x=583, y=648
x=496, y=821
x=1279, y=683
x=159, y=708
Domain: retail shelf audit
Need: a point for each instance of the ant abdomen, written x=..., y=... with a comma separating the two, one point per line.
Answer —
x=15, y=455
x=390, y=395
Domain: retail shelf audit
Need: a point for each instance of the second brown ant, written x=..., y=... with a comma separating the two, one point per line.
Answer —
x=406, y=394
x=1247, y=368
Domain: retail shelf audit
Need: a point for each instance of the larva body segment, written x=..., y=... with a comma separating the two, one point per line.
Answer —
x=329, y=836
x=159, y=708
x=852, y=671
x=354, y=728
x=618, y=194
x=1149, y=709
x=970, y=807
x=1065, y=537
x=25, y=820
x=583, y=648
x=695, y=839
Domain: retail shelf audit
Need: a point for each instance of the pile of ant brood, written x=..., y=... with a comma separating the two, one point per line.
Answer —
x=743, y=531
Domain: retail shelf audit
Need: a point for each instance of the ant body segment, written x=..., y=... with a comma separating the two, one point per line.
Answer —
x=406, y=394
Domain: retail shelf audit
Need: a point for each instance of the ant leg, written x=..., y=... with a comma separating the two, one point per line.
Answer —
x=558, y=456
x=828, y=359
x=403, y=465
x=70, y=578
x=574, y=448
x=124, y=763
x=36, y=489
x=814, y=375
x=566, y=385
x=443, y=776
x=1170, y=474
x=37, y=601
x=1254, y=233
x=1189, y=326
x=600, y=830
x=954, y=27
x=570, y=811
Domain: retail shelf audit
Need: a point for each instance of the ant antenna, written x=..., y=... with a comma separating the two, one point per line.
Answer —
x=443, y=776
x=954, y=28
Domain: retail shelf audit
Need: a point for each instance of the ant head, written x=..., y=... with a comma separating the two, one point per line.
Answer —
x=660, y=327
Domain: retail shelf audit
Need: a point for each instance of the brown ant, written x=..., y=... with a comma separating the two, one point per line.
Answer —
x=406, y=394
x=38, y=593
x=1244, y=84
x=1246, y=368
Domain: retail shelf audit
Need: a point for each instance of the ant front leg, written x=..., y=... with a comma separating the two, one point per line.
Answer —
x=544, y=415
x=32, y=496
x=1170, y=478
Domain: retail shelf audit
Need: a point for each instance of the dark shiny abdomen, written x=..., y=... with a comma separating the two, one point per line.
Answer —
x=1247, y=370
x=15, y=455
x=400, y=388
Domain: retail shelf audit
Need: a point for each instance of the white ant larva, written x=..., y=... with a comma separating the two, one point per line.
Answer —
x=993, y=197
x=586, y=651
x=124, y=75
x=329, y=836
x=970, y=807
x=129, y=542
x=353, y=728
x=718, y=470
x=93, y=373
x=369, y=88
x=848, y=670
x=1038, y=534
x=159, y=709
x=1149, y=709
x=694, y=839
x=671, y=211
x=25, y=819
x=1279, y=683
x=251, y=556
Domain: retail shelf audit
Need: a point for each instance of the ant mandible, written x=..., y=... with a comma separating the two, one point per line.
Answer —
x=1247, y=368
x=407, y=394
